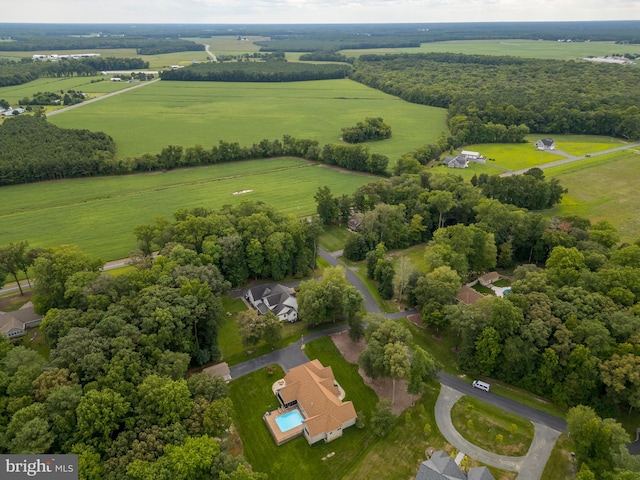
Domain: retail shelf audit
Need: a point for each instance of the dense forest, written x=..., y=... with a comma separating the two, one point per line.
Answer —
x=271, y=71
x=54, y=153
x=114, y=390
x=547, y=96
x=34, y=150
x=27, y=70
x=569, y=331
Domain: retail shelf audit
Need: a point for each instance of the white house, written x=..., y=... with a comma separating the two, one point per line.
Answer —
x=275, y=298
x=545, y=144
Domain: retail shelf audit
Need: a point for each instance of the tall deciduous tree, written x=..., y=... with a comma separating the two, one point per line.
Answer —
x=53, y=268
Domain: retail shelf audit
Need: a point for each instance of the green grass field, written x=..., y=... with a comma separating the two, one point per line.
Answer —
x=98, y=214
x=516, y=48
x=148, y=119
x=603, y=188
x=18, y=92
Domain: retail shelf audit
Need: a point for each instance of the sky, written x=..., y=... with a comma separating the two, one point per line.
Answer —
x=313, y=11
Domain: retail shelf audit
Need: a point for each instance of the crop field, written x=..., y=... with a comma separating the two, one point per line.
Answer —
x=99, y=214
x=516, y=48
x=148, y=119
x=229, y=44
x=17, y=92
x=603, y=188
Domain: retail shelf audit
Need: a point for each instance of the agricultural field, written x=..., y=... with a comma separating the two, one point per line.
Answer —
x=148, y=119
x=229, y=44
x=98, y=214
x=603, y=188
x=100, y=86
x=516, y=48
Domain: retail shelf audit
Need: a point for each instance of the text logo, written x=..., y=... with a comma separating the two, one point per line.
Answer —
x=45, y=467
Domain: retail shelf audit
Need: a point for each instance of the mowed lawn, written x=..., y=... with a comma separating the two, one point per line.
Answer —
x=148, y=119
x=603, y=188
x=99, y=214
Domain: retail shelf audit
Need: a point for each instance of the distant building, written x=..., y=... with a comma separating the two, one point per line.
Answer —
x=463, y=158
x=545, y=144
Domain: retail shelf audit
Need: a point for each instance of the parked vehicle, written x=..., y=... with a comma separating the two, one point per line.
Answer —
x=481, y=385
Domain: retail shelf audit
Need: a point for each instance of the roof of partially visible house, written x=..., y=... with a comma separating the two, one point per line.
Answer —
x=17, y=319
x=469, y=153
x=313, y=386
x=480, y=473
x=442, y=467
x=468, y=295
x=221, y=369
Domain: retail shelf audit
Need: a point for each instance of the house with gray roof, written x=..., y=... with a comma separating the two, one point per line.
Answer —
x=278, y=299
x=545, y=144
x=442, y=467
x=15, y=324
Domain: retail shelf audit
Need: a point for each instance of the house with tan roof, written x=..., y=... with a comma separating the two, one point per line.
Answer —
x=313, y=389
x=489, y=278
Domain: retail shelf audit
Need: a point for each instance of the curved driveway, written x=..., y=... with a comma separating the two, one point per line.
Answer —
x=529, y=467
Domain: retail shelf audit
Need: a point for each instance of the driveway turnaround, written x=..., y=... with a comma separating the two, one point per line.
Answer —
x=529, y=467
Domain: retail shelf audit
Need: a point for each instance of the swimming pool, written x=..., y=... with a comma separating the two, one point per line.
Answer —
x=289, y=420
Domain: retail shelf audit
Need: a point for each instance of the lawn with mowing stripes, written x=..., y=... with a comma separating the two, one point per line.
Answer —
x=603, y=188
x=145, y=120
x=99, y=214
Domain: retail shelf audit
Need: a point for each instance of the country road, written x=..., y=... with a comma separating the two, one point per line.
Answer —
x=97, y=99
x=570, y=159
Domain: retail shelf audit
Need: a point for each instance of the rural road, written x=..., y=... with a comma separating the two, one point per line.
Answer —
x=97, y=99
x=570, y=159
x=211, y=54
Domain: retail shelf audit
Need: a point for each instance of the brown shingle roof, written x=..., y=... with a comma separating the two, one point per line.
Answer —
x=468, y=295
x=312, y=385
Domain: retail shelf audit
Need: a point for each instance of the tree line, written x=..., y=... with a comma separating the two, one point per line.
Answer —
x=271, y=71
x=54, y=153
x=546, y=96
x=27, y=70
x=70, y=97
x=143, y=46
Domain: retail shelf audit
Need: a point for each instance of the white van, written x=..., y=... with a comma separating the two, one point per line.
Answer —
x=481, y=385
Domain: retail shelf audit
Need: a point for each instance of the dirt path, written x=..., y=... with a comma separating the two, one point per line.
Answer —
x=382, y=386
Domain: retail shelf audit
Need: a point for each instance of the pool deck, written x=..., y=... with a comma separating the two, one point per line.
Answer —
x=278, y=436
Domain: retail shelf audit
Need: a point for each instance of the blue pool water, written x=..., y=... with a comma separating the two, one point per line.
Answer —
x=289, y=420
x=506, y=291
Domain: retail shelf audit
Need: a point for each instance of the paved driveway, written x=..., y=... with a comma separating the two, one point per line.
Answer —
x=529, y=467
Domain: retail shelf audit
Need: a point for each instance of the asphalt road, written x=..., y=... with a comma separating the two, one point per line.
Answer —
x=570, y=159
